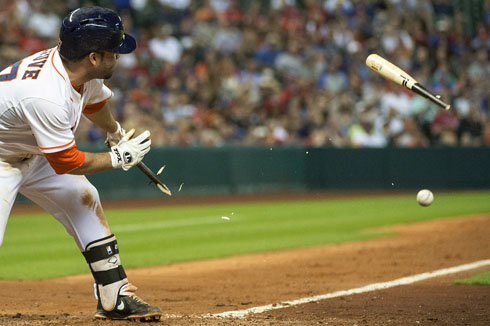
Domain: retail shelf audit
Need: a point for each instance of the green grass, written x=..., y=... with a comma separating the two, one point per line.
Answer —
x=479, y=279
x=36, y=246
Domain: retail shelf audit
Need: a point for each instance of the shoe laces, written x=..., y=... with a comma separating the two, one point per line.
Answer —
x=130, y=291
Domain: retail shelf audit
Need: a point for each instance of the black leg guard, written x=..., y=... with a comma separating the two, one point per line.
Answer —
x=102, y=257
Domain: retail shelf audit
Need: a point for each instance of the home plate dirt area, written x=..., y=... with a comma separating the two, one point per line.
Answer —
x=190, y=293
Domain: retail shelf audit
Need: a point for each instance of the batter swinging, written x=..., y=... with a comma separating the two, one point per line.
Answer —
x=42, y=98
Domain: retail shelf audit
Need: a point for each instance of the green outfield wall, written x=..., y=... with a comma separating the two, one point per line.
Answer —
x=230, y=170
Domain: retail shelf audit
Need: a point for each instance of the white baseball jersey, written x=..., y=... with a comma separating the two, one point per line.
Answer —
x=40, y=110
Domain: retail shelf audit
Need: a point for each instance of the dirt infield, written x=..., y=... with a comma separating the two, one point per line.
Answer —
x=187, y=292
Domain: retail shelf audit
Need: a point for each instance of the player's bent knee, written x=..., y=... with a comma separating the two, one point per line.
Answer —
x=85, y=192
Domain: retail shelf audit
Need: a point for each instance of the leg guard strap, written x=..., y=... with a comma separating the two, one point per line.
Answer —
x=110, y=276
x=96, y=253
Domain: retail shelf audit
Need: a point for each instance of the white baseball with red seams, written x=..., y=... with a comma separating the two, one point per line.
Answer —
x=425, y=197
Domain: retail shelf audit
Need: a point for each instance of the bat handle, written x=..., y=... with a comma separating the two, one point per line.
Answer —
x=146, y=170
x=421, y=90
x=149, y=173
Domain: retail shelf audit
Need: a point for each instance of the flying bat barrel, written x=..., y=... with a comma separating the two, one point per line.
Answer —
x=394, y=73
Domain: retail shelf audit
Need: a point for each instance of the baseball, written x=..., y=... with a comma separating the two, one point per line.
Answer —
x=425, y=197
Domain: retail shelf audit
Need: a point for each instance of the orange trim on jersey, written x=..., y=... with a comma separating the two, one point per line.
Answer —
x=95, y=107
x=54, y=147
x=52, y=62
x=66, y=160
x=77, y=88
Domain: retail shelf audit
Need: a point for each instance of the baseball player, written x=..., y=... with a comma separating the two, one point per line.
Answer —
x=42, y=98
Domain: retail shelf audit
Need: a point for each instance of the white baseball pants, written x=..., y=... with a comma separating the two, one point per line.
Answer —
x=71, y=199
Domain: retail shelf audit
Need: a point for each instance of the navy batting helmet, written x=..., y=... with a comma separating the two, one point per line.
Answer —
x=93, y=29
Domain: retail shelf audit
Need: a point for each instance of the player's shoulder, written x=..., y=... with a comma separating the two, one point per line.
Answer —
x=42, y=75
x=48, y=63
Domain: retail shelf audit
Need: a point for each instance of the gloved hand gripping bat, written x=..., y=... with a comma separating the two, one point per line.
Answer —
x=113, y=139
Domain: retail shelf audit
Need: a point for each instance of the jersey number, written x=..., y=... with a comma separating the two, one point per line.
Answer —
x=12, y=74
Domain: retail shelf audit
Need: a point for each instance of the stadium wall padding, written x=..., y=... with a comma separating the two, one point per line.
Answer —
x=232, y=170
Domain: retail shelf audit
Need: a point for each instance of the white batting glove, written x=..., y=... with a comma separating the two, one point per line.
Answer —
x=129, y=152
x=113, y=139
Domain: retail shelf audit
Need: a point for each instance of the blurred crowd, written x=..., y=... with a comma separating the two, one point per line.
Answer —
x=284, y=72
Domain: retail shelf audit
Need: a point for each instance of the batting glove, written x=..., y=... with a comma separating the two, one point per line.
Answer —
x=113, y=138
x=129, y=152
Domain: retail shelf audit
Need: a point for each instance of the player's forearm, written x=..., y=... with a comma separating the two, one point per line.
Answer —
x=103, y=119
x=126, y=154
x=94, y=162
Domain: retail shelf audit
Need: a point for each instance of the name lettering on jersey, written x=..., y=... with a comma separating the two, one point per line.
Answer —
x=43, y=55
x=37, y=62
x=31, y=74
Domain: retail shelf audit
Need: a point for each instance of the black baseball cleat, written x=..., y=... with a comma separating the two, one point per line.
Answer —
x=130, y=307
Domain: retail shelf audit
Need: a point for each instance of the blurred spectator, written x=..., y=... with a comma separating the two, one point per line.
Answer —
x=227, y=38
x=470, y=129
x=363, y=134
x=285, y=72
x=164, y=46
x=44, y=22
x=444, y=128
x=176, y=4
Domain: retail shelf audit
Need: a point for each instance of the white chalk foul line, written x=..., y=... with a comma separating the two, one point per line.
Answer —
x=367, y=288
